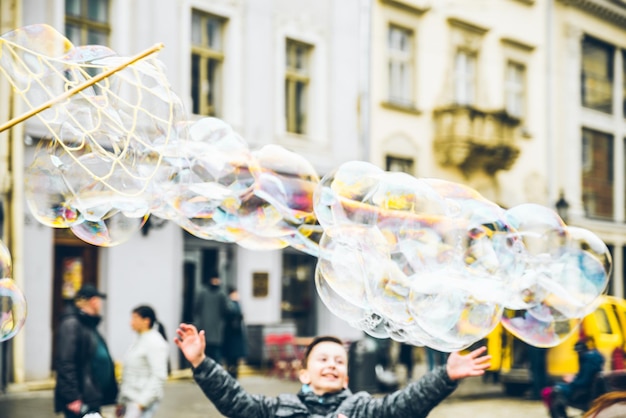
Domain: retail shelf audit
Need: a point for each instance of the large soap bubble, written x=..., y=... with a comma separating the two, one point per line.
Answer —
x=12, y=309
x=12, y=301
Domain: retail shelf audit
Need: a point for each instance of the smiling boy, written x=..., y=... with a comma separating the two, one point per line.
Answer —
x=324, y=378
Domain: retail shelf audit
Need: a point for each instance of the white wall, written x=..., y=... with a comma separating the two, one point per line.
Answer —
x=38, y=273
x=259, y=310
x=149, y=269
x=146, y=270
x=330, y=324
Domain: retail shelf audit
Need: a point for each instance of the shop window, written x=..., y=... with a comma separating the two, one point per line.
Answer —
x=298, y=292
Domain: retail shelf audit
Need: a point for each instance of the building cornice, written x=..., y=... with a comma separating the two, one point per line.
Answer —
x=514, y=43
x=613, y=11
x=418, y=7
x=467, y=26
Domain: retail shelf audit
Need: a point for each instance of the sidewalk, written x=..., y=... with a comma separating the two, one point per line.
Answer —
x=183, y=399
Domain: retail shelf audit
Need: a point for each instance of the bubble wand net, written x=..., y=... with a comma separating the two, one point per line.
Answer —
x=93, y=102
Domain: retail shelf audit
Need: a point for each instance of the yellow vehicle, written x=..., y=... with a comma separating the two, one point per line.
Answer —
x=607, y=326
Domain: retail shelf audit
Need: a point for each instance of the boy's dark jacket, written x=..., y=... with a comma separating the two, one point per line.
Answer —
x=415, y=401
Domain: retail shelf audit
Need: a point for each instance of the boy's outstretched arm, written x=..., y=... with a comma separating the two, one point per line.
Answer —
x=468, y=365
x=220, y=387
x=191, y=343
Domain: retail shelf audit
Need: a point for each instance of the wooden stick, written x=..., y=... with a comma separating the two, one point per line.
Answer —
x=80, y=87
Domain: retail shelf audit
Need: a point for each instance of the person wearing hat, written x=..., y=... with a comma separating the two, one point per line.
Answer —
x=85, y=374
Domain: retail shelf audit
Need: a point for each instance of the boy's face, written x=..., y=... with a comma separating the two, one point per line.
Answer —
x=327, y=368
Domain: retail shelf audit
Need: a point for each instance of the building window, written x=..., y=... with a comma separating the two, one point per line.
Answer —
x=597, y=75
x=398, y=164
x=87, y=22
x=207, y=58
x=597, y=175
x=514, y=89
x=400, y=50
x=464, y=77
x=297, y=80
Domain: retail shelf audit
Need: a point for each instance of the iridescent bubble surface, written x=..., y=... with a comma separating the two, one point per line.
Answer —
x=12, y=309
x=456, y=264
x=6, y=265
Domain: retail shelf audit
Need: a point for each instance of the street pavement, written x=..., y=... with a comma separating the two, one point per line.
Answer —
x=183, y=399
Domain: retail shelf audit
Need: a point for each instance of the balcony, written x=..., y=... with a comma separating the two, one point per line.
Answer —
x=473, y=139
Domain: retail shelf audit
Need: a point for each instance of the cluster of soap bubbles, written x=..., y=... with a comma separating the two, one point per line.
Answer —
x=123, y=150
x=433, y=263
x=423, y=261
x=219, y=190
x=12, y=301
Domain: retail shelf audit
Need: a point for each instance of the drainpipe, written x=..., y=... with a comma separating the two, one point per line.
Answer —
x=13, y=190
x=365, y=39
x=16, y=232
x=552, y=171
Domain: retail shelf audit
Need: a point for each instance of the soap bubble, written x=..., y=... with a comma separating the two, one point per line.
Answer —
x=12, y=309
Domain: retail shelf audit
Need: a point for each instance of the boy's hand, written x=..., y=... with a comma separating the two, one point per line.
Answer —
x=191, y=343
x=472, y=364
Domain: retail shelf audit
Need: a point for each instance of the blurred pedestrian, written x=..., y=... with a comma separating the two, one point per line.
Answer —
x=235, y=345
x=538, y=370
x=575, y=389
x=85, y=374
x=406, y=358
x=210, y=311
x=145, y=367
x=435, y=358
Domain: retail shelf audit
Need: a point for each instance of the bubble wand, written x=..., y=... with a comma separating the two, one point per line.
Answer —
x=87, y=83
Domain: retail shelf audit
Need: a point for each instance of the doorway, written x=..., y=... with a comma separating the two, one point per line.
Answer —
x=298, y=292
x=75, y=264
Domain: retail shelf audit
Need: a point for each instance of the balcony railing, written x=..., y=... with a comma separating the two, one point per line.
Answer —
x=473, y=139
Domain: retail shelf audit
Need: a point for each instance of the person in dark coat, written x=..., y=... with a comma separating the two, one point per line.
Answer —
x=235, y=346
x=85, y=374
x=324, y=378
x=576, y=390
x=210, y=309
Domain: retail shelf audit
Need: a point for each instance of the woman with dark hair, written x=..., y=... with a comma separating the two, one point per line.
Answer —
x=145, y=367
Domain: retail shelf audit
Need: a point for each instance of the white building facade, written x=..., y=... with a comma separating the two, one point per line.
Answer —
x=589, y=93
x=278, y=71
x=522, y=100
